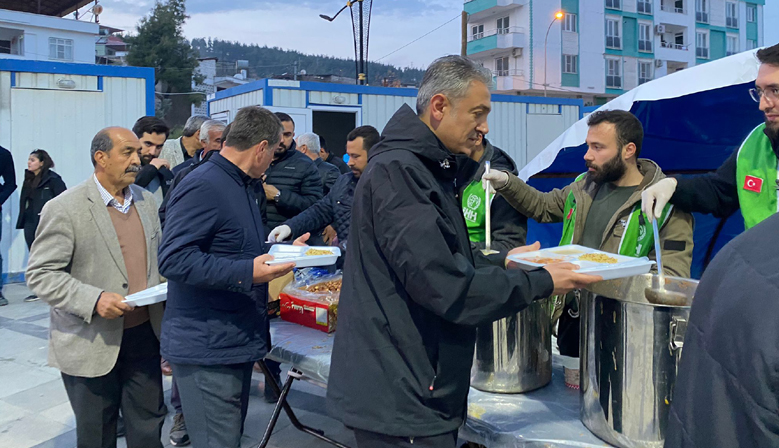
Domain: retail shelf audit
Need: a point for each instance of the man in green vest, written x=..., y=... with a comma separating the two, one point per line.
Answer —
x=509, y=227
x=601, y=209
x=748, y=179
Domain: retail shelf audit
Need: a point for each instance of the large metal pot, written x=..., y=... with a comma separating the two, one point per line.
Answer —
x=630, y=351
x=514, y=355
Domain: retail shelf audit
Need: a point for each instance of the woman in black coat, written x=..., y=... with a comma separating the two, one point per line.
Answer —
x=41, y=185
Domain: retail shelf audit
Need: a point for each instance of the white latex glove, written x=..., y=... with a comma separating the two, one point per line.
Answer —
x=496, y=179
x=279, y=234
x=654, y=198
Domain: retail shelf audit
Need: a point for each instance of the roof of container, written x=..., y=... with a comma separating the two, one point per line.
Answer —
x=57, y=8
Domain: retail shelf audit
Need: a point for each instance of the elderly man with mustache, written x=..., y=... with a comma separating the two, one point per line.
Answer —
x=96, y=244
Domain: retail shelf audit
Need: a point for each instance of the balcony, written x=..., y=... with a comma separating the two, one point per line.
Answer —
x=670, y=51
x=493, y=41
x=671, y=14
x=509, y=80
x=478, y=9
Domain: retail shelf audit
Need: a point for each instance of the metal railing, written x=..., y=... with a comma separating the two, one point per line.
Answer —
x=488, y=33
x=674, y=46
x=671, y=8
x=514, y=72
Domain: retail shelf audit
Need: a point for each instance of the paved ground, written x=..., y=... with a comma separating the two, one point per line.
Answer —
x=35, y=412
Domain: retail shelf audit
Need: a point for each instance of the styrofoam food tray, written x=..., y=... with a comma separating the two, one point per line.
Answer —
x=285, y=253
x=155, y=294
x=624, y=267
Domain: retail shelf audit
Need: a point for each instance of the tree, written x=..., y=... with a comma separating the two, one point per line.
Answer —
x=159, y=43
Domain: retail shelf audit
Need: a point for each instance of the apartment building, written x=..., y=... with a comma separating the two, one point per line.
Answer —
x=599, y=49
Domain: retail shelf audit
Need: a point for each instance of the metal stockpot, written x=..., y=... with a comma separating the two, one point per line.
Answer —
x=630, y=351
x=514, y=355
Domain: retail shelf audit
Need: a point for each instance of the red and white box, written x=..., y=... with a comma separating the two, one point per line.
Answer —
x=317, y=314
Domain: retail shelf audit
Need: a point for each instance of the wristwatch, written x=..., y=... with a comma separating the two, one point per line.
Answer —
x=277, y=196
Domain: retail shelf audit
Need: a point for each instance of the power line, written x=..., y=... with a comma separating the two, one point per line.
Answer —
x=420, y=37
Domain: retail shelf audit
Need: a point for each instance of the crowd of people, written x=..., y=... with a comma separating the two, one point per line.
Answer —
x=408, y=212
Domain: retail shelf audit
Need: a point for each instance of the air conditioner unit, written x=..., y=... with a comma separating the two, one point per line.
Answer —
x=516, y=52
x=659, y=29
x=658, y=63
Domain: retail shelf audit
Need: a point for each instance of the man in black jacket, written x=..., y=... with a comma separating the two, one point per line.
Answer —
x=308, y=145
x=210, y=137
x=292, y=182
x=8, y=187
x=155, y=175
x=336, y=208
x=213, y=254
x=727, y=388
x=331, y=158
x=413, y=288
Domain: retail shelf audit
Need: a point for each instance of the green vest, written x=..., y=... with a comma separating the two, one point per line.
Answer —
x=756, y=174
x=637, y=240
x=474, y=211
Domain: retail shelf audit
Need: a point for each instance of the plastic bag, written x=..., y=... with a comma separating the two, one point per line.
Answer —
x=315, y=284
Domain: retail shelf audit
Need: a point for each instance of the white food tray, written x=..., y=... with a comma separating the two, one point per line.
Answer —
x=155, y=294
x=624, y=267
x=285, y=253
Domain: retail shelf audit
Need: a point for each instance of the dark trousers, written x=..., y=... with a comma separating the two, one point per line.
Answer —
x=175, y=396
x=214, y=400
x=29, y=233
x=367, y=439
x=134, y=384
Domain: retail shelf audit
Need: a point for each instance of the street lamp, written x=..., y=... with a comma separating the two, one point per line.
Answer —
x=361, y=20
x=557, y=16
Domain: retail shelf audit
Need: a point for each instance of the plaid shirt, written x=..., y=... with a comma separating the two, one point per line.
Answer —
x=109, y=199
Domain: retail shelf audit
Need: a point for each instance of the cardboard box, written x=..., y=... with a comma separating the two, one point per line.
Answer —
x=318, y=315
x=276, y=285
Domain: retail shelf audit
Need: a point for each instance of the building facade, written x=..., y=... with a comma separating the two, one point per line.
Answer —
x=46, y=38
x=600, y=49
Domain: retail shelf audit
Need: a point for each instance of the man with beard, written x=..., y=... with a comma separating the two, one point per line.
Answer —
x=746, y=179
x=155, y=175
x=292, y=183
x=601, y=209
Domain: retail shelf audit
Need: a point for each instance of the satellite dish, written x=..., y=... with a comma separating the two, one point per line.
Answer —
x=98, y=9
x=302, y=72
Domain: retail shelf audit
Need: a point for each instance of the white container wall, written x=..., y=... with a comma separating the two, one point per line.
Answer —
x=35, y=112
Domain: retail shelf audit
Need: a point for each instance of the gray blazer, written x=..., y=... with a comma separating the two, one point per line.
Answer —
x=75, y=257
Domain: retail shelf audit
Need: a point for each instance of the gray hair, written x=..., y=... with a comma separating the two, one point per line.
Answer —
x=311, y=140
x=208, y=126
x=252, y=125
x=101, y=142
x=193, y=125
x=450, y=76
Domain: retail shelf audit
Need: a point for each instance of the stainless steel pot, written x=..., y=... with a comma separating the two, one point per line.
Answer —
x=630, y=351
x=514, y=355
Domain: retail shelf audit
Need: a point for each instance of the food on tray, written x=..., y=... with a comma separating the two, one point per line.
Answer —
x=566, y=251
x=319, y=252
x=598, y=258
x=328, y=286
x=544, y=260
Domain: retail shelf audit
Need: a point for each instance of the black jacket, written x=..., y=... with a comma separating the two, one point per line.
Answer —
x=149, y=172
x=296, y=176
x=8, y=175
x=413, y=292
x=334, y=209
x=213, y=232
x=338, y=163
x=714, y=193
x=328, y=174
x=509, y=227
x=727, y=388
x=31, y=201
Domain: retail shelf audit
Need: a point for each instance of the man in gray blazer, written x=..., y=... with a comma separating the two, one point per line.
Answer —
x=97, y=243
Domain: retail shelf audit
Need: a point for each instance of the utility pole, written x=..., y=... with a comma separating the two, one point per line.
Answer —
x=295, y=70
x=464, y=35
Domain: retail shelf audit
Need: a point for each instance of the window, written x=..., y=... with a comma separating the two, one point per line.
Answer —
x=569, y=23
x=613, y=74
x=502, y=66
x=644, y=71
x=612, y=34
x=644, y=6
x=478, y=31
x=732, y=45
x=645, y=37
x=702, y=11
x=751, y=44
x=503, y=25
x=702, y=45
x=570, y=63
x=614, y=4
x=679, y=6
x=731, y=15
x=751, y=13
x=60, y=49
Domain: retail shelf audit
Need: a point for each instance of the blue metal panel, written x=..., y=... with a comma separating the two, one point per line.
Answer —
x=13, y=79
x=267, y=94
x=100, y=83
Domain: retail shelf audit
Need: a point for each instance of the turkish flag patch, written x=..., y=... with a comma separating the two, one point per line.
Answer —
x=752, y=183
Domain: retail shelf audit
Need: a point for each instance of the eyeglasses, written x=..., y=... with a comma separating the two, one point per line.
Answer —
x=772, y=94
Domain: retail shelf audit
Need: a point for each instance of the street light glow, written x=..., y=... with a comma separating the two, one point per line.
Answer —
x=558, y=15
